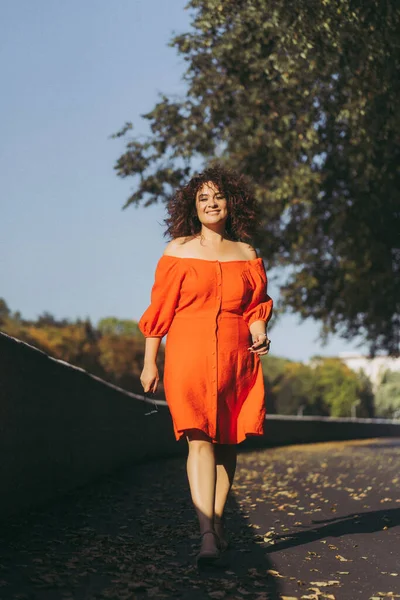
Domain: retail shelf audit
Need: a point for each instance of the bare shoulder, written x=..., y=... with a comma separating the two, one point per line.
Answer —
x=174, y=247
x=248, y=251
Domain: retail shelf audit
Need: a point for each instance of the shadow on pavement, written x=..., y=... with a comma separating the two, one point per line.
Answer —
x=131, y=535
x=355, y=523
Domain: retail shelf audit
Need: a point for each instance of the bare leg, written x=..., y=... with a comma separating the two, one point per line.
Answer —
x=201, y=471
x=225, y=456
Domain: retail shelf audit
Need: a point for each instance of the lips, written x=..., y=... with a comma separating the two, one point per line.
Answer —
x=213, y=212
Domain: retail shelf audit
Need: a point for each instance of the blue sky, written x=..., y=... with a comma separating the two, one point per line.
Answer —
x=72, y=74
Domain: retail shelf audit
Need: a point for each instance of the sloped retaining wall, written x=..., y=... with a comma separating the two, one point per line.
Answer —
x=61, y=427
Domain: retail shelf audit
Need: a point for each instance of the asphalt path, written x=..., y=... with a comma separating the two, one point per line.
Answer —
x=305, y=522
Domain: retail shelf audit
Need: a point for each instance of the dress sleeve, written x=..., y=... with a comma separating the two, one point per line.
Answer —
x=259, y=308
x=158, y=316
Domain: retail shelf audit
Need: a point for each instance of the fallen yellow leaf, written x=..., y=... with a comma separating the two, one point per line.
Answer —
x=274, y=573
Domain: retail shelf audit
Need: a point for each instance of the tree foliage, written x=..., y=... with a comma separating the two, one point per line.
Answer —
x=298, y=392
x=303, y=97
x=118, y=326
x=327, y=387
x=387, y=398
x=344, y=392
x=112, y=350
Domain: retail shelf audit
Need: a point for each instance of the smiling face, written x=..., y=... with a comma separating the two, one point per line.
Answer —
x=211, y=205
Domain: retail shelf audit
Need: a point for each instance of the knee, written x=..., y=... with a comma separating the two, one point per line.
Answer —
x=199, y=442
x=200, y=448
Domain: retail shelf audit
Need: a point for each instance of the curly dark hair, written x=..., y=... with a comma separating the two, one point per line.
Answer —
x=243, y=209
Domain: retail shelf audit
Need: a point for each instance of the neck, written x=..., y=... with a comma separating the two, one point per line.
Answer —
x=214, y=236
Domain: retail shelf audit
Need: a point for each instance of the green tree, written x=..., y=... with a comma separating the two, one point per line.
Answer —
x=303, y=97
x=387, y=397
x=46, y=319
x=4, y=311
x=366, y=407
x=273, y=371
x=298, y=392
x=339, y=385
x=109, y=325
x=325, y=387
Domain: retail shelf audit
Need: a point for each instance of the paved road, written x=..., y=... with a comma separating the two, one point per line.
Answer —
x=307, y=522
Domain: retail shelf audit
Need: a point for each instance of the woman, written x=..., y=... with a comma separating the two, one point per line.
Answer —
x=210, y=295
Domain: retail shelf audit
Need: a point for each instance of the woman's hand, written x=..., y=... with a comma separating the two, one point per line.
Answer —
x=149, y=377
x=260, y=345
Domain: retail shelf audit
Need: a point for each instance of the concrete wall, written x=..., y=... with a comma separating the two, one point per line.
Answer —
x=61, y=427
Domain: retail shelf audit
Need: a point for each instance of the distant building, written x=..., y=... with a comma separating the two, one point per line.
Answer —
x=374, y=368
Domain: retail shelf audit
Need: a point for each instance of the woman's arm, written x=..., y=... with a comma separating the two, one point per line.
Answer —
x=257, y=327
x=152, y=345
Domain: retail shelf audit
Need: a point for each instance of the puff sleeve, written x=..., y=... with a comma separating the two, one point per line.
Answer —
x=157, y=318
x=260, y=306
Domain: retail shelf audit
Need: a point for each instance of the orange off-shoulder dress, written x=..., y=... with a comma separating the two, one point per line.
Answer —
x=212, y=381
